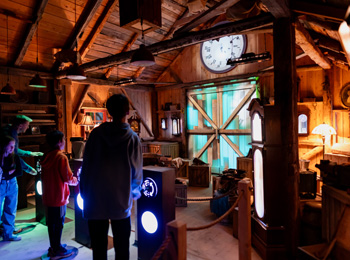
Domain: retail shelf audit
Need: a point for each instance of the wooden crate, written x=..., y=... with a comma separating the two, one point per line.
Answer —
x=199, y=175
x=245, y=163
x=181, y=192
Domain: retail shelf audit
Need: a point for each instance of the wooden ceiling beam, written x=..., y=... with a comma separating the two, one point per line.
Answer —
x=30, y=31
x=88, y=13
x=216, y=10
x=326, y=42
x=14, y=15
x=316, y=9
x=101, y=21
x=127, y=47
x=192, y=38
x=279, y=9
x=304, y=40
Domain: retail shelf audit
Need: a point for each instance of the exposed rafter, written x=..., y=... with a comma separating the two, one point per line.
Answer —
x=31, y=29
x=304, y=40
x=278, y=9
x=313, y=9
x=126, y=48
x=216, y=10
x=239, y=27
x=88, y=13
x=85, y=47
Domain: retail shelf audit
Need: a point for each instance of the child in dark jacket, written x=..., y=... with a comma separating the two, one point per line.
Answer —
x=56, y=175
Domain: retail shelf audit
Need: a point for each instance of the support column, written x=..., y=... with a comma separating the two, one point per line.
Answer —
x=286, y=104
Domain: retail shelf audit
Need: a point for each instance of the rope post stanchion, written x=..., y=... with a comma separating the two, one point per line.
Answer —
x=244, y=221
x=177, y=230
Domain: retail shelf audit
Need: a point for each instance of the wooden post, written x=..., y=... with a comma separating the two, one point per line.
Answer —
x=67, y=106
x=286, y=105
x=178, y=245
x=244, y=221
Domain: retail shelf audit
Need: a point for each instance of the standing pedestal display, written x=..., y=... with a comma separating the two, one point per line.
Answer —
x=82, y=235
x=39, y=206
x=267, y=222
x=155, y=209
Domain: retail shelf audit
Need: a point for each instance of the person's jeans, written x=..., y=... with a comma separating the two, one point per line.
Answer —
x=98, y=229
x=9, y=198
x=55, y=221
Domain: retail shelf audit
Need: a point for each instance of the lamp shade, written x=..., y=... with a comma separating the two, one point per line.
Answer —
x=324, y=129
x=8, y=90
x=87, y=121
x=75, y=72
x=37, y=82
x=142, y=57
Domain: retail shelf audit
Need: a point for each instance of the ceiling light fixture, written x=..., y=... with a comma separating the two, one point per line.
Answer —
x=75, y=72
x=37, y=81
x=250, y=58
x=7, y=89
x=142, y=56
x=344, y=33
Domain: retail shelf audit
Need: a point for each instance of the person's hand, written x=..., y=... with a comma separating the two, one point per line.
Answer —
x=33, y=172
x=73, y=181
x=36, y=154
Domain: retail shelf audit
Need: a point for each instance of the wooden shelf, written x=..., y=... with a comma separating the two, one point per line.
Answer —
x=27, y=105
x=29, y=114
x=168, y=111
x=31, y=136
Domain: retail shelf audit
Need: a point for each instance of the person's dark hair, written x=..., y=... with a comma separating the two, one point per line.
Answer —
x=53, y=138
x=118, y=106
x=20, y=119
x=4, y=141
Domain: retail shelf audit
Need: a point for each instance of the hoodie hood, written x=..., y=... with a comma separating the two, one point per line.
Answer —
x=109, y=130
x=48, y=160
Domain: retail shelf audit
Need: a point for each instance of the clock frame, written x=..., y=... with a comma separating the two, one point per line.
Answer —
x=267, y=224
x=209, y=52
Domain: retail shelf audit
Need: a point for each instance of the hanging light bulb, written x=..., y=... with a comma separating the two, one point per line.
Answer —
x=7, y=89
x=142, y=56
x=37, y=81
x=75, y=72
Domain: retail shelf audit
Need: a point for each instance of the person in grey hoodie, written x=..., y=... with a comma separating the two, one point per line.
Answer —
x=110, y=180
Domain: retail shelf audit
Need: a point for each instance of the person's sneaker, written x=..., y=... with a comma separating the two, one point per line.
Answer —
x=11, y=238
x=61, y=253
x=17, y=230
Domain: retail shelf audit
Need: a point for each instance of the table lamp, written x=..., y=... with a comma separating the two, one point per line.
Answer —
x=87, y=122
x=324, y=129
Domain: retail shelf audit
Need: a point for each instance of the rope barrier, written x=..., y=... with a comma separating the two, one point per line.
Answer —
x=220, y=218
x=207, y=199
x=161, y=249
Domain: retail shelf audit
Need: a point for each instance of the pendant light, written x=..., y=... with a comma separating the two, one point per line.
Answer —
x=37, y=81
x=7, y=89
x=75, y=72
x=142, y=56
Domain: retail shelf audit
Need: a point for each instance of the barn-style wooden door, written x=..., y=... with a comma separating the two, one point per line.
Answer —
x=218, y=123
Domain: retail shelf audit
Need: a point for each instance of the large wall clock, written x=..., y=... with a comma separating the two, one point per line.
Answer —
x=215, y=53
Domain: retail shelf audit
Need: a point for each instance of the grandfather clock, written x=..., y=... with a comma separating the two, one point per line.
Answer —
x=267, y=223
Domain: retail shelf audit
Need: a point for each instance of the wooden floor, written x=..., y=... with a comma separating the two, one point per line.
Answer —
x=213, y=243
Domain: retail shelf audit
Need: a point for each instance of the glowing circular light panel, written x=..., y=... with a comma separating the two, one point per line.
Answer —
x=80, y=202
x=149, y=222
x=149, y=188
x=39, y=188
x=256, y=128
x=259, y=183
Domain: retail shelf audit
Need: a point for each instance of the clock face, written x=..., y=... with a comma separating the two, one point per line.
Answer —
x=215, y=53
